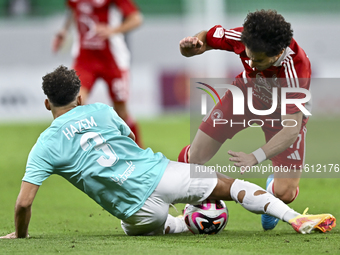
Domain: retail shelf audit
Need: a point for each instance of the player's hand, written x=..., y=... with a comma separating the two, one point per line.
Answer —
x=104, y=31
x=58, y=40
x=190, y=42
x=242, y=160
x=9, y=236
x=190, y=46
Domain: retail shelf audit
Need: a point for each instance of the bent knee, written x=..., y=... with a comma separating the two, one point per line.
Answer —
x=286, y=194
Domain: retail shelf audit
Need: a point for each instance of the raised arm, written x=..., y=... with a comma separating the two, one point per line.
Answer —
x=194, y=45
x=286, y=137
x=23, y=210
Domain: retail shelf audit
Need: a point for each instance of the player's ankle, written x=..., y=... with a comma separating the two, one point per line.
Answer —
x=290, y=214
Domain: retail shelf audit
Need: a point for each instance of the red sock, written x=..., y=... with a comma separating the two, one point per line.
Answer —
x=183, y=155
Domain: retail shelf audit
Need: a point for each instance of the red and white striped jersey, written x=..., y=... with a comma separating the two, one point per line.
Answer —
x=118, y=45
x=292, y=69
x=88, y=13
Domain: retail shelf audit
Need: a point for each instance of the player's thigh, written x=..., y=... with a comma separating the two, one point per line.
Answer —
x=202, y=148
x=221, y=123
x=186, y=183
x=86, y=73
x=118, y=84
x=180, y=183
x=149, y=220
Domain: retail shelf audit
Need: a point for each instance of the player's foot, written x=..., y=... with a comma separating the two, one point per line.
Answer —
x=304, y=223
x=269, y=222
x=183, y=227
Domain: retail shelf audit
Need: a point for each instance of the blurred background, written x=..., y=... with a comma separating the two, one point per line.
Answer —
x=159, y=81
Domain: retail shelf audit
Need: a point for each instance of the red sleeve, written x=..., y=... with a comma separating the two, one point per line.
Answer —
x=126, y=6
x=223, y=39
x=297, y=73
x=292, y=108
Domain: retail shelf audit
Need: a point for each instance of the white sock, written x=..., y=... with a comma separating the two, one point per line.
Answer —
x=257, y=203
x=291, y=214
x=175, y=225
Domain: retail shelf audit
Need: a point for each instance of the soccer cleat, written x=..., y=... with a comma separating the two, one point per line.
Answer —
x=305, y=223
x=269, y=222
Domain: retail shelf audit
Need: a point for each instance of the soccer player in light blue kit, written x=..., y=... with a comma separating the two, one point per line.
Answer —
x=91, y=147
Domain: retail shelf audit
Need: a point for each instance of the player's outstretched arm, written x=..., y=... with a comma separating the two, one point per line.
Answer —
x=194, y=45
x=23, y=210
x=280, y=142
x=286, y=137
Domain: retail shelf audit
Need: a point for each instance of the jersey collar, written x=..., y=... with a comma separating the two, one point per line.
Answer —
x=288, y=51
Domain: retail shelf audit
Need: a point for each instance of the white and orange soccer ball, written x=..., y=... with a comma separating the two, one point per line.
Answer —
x=210, y=217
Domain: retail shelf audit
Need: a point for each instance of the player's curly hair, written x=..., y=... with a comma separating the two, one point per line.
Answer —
x=266, y=31
x=61, y=86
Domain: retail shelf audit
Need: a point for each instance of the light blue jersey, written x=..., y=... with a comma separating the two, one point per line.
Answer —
x=89, y=146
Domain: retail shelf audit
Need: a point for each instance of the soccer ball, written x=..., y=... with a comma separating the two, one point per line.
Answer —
x=210, y=217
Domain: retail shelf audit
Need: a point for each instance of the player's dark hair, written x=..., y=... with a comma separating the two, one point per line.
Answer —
x=266, y=31
x=61, y=86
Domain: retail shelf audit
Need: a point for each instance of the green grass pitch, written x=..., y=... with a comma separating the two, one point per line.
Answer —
x=64, y=220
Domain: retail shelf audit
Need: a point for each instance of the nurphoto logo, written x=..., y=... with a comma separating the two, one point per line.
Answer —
x=239, y=103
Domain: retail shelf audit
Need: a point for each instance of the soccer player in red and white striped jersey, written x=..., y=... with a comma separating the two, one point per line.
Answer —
x=100, y=50
x=271, y=59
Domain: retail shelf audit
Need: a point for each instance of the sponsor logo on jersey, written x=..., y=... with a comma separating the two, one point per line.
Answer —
x=262, y=80
x=121, y=178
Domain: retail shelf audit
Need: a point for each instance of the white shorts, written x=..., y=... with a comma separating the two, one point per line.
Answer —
x=176, y=186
